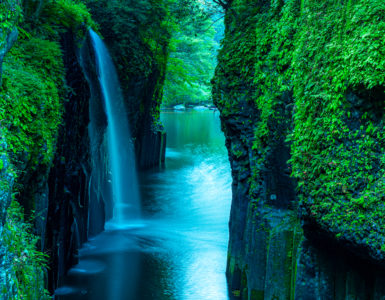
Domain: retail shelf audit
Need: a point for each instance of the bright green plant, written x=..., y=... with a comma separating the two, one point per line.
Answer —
x=10, y=15
x=70, y=14
x=28, y=264
x=338, y=143
x=30, y=105
x=192, y=59
x=328, y=58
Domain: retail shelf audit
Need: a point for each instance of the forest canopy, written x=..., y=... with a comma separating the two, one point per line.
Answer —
x=193, y=48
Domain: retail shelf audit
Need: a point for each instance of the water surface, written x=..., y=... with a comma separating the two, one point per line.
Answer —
x=179, y=248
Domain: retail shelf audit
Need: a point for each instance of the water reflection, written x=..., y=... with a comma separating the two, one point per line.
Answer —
x=179, y=249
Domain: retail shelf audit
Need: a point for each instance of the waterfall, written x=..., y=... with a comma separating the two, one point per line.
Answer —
x=121, y=154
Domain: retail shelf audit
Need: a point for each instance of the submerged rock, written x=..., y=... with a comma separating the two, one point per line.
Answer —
x=179, y=107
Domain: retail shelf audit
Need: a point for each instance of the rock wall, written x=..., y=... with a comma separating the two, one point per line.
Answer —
x=300, y=225
x=79, y=202
x=52, y=75
x=69, y=181
x=6, y=181
x=8, y=30
x=137, y=39
x=8, y=40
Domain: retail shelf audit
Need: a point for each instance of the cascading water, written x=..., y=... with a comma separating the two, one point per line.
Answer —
x=121, y=153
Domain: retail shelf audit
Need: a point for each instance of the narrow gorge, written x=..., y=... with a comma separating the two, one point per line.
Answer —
x=192, y=149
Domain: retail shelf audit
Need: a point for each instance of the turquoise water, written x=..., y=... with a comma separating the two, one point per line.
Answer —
x=179, y=248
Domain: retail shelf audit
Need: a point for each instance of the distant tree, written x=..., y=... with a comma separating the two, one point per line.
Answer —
x=193, y=47
x=216, y=4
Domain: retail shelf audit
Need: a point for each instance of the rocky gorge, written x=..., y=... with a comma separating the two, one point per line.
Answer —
x=300, y=89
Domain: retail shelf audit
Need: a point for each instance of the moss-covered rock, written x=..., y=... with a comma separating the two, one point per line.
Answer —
x=338, y=141
x=137, y=35
x=300, y=88
x=44, y=108
x=32, y=102
x=22, y=266
x=328, y=58
x=10, y=13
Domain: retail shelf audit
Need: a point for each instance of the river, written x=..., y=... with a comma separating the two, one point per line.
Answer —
x=178, y=249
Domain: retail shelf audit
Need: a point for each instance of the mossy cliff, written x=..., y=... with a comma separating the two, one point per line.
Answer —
x=137, y=34
x=300, y=88
x=48, y=79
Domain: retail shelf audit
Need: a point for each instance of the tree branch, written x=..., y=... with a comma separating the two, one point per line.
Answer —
x=224, y=3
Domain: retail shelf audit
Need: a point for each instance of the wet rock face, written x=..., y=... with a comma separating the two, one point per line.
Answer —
x=69, y=179
x=239, y=144
x=263, y=227
x=140, y=67
x=6, y=185
x=325, y=271
x=142, y=97
x=269, y=256
x=272, y=253
x=6, y=180
x=9, y=40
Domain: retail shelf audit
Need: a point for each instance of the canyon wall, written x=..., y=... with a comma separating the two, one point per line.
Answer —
x=300, y=92
x=48, y=84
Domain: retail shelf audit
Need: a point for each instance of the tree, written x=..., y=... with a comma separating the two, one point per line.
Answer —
x=192, y=58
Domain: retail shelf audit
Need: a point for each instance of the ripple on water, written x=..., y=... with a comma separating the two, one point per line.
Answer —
x=172, y=153
x=87, y=267
x=131, y=225
x=66, y=291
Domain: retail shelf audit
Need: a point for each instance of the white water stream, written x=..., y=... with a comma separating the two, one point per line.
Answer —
x=121, y=152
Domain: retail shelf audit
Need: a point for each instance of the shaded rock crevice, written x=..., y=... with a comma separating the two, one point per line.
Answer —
x=69, y=178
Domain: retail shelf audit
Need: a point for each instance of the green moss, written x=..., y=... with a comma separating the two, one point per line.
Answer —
x=236, y=60
x=137, y=35
x=236, y=293
x=33, y=90
x=70, y=14
x=26, y=275
x=296, y=250
x=30, y=104
x=337, y=150
x=321, y=62
x=244, y=285
x=10, y=15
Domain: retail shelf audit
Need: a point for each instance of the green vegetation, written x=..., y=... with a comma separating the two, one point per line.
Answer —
x=69, y=14
x=137, y=34
x=316, y=69
x=33, y=88
x=10, y=14
x=192, y=57
x=32, y=94
x=28, y=265
x=30, y=104
x=338, y=142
